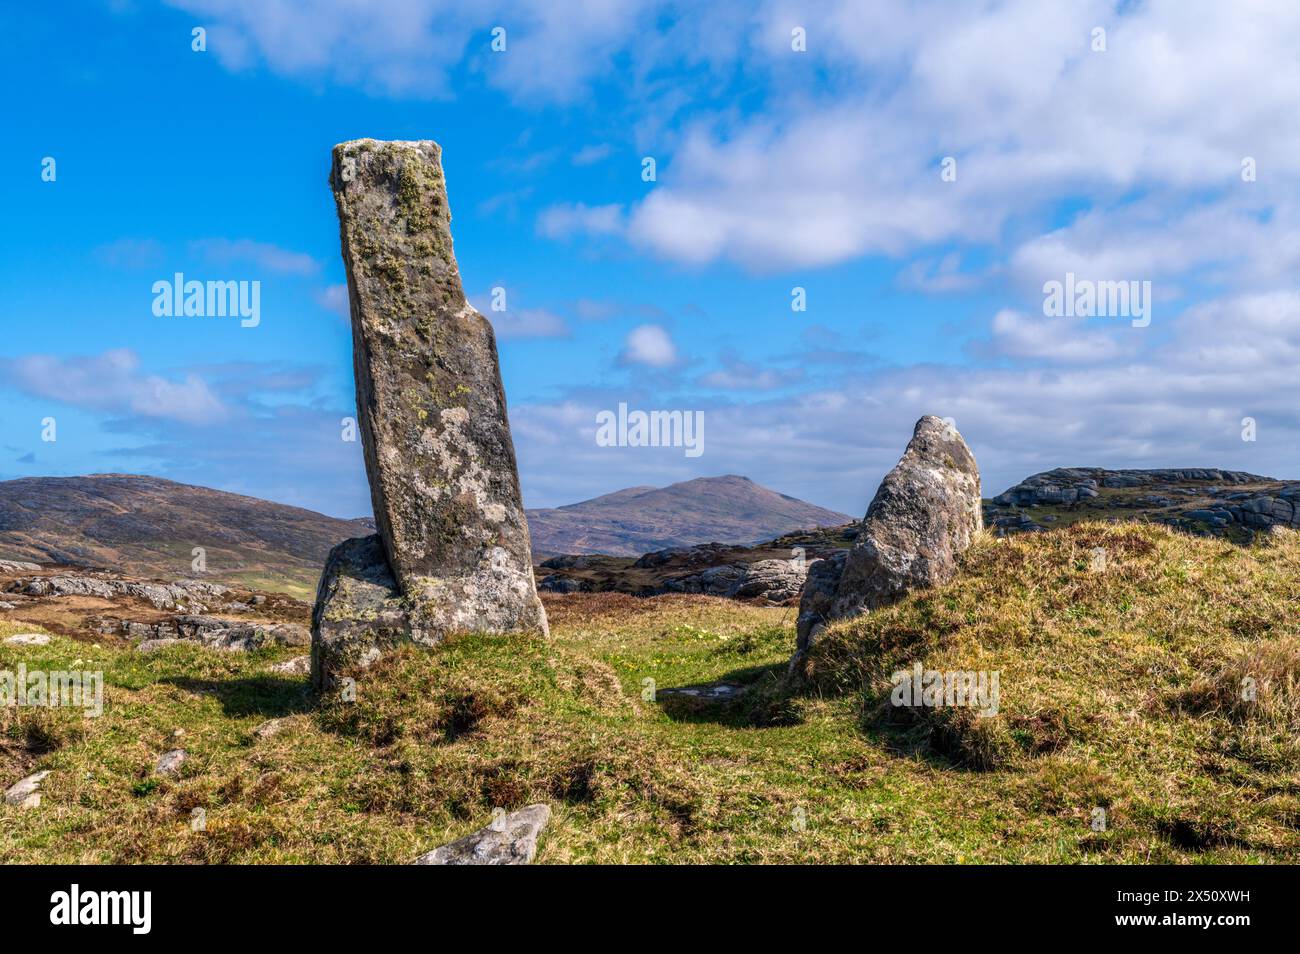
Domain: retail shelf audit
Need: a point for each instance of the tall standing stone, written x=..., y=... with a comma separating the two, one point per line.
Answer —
x=431, y=408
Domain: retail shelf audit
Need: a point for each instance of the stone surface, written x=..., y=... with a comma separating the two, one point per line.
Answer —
x=510, y=841
x=215, y=632
x=191, y=595
x=269, y=728
x=359, y=611
x=817, y=597
x=169, y=763
x=297, y=666
x=924, y=515
x=26, y=793
x=27, y=639
x=774, y=581
x=153, y=645
x=437, y=443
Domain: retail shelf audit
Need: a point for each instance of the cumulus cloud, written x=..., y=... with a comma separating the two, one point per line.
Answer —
x=649, y=345
x=113, y=382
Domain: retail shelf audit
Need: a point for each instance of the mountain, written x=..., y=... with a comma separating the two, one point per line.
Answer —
x=148, y=526
x=630, y=522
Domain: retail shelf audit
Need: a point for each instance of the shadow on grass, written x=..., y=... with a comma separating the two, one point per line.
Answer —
x=272, y=696
x=752, y=697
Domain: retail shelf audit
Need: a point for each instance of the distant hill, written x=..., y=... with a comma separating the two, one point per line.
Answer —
x=630, y=522
x=147, y=526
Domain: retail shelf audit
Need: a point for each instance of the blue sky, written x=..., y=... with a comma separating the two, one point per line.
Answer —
x=776, y=169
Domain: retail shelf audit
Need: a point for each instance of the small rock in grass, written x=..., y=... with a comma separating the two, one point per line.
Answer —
x=28, y=639
x=153, y=645
x=297, y=666
x=269, y=728
x=26, y=793
x=511, y=840
x=169, y=763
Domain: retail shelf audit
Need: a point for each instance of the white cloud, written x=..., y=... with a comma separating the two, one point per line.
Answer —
x=565, y=220
x=649, y=345
x=1076, y=341
x=113, y=382
x=590, y=155
x=739, y=375
x=335, y=298
x=263, y=255
x=528, y=323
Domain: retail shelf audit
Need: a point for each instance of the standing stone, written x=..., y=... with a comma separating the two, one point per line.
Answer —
x=923, y=517
x=431, y=408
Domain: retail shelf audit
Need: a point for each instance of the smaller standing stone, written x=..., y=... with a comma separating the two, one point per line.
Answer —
x=925, y=514
x=169, y=764
x=510, y=841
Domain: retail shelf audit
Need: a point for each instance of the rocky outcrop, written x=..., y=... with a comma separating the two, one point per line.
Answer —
x=194, y=595
x=211, y=631
x=923, y=517
x=432, y=417
x=1228, y=503
x=1067, y=485
x=510, y=840
x=773, y=581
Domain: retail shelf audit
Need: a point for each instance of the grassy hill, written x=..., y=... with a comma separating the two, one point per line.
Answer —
x=1120, y=689
x=147, y=526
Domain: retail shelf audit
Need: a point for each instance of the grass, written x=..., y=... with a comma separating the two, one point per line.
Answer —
x=1120, y=690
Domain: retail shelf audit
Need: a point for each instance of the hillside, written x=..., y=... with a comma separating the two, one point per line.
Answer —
x=637, y=520
x=147, y=526
x=1120, y=691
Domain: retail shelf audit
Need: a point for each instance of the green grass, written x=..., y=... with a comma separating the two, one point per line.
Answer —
x=1119, y=690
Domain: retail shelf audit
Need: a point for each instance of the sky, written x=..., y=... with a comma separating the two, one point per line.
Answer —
x=914, y=174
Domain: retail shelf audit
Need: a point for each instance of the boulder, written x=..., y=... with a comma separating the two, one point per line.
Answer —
x=511, y=840
x=359, y=611
x=297, y=666
x=26, y=793
x=431, y=408
x=923, y=517
x=169, y=763
x=28, y=639
x=818, y=595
